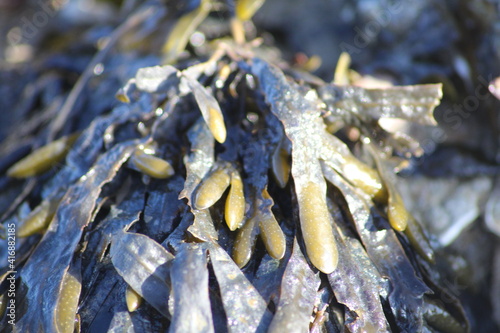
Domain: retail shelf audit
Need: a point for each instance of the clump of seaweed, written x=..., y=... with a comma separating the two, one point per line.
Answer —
x=182, y=196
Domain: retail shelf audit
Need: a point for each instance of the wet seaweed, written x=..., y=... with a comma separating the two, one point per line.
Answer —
x=217, y=181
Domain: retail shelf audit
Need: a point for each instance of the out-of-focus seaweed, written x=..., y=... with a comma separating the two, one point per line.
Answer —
x=414, y=103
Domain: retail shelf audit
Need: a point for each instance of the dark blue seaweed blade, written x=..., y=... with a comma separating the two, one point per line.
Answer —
x=198, y=164
x=42, y=281
x=145, y=266
x=299, y=289
x=388, y=256
x=191, y=302
x=246, y=310
x=358, y=285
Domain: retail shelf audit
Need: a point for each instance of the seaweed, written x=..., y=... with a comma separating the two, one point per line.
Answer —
x=213, y=195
